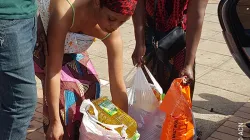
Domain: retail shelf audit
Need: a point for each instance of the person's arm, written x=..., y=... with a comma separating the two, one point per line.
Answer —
x=115, y=63
x=195, y=16
x=139, y=22
x=139, y=29
x=58, y=27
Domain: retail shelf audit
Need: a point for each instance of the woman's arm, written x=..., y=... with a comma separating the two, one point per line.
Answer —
x=139, y=29
x=115, y=63
x=195, y=17
x=139, y=22
x=114, y=47
x=58, y=27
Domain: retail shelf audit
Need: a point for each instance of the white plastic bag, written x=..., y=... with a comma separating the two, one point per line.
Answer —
x=91, y=130
x=143, y=104
x=139, y=90
x=153, y=128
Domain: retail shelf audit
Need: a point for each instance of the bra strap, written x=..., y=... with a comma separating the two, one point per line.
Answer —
x=106, y=36
x=73, y=9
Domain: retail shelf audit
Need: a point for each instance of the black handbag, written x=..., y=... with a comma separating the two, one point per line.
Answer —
x=172, y=43
x=165, y=46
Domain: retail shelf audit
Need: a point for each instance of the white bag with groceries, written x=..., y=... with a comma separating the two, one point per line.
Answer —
x=144, y=99
x=92, y=129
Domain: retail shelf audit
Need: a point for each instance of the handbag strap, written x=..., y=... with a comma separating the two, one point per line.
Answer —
x=180, y=22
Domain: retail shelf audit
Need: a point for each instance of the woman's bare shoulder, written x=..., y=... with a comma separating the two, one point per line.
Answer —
x=62, y=11
x=62, y=8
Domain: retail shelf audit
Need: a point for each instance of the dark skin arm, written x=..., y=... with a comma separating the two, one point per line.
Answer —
x=195, y=14
x=139, y=29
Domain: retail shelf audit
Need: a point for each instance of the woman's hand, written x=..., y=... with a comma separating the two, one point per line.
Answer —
x=187, y=74
x=195, y=17
x=138, y=54
x=55, y=131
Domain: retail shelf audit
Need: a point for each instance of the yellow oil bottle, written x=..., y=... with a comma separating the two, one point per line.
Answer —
x=108, y=113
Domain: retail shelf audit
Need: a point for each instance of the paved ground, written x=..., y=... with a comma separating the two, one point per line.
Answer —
x=220, y=83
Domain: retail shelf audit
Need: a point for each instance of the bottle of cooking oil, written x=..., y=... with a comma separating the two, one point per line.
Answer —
x=108, y=113
x=158, y=95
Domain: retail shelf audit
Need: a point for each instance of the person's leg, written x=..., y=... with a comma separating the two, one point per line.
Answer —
x=17, y=79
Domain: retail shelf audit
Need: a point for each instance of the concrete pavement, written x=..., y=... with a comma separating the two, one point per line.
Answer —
x=221, y=85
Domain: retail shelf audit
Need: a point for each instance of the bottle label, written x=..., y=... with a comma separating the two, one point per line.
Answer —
x=109, y=107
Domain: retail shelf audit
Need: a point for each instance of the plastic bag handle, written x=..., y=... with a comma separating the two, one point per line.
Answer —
x=85, y=106
x=126, y=76
x=109, y=126
x=156, y=84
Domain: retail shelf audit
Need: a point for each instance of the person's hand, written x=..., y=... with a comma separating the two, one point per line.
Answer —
x=187, y=74
x=138, y=54
x=55, y=131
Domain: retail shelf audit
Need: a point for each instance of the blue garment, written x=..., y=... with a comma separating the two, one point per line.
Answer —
x=18, y=95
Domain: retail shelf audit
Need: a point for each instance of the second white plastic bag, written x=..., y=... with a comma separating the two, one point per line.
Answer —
x=143, y=104
x=139, y=90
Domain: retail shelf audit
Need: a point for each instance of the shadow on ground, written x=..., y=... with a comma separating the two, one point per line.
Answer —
x=212, y=111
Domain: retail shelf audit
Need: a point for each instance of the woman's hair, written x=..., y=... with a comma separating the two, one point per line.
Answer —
x=124, y=7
